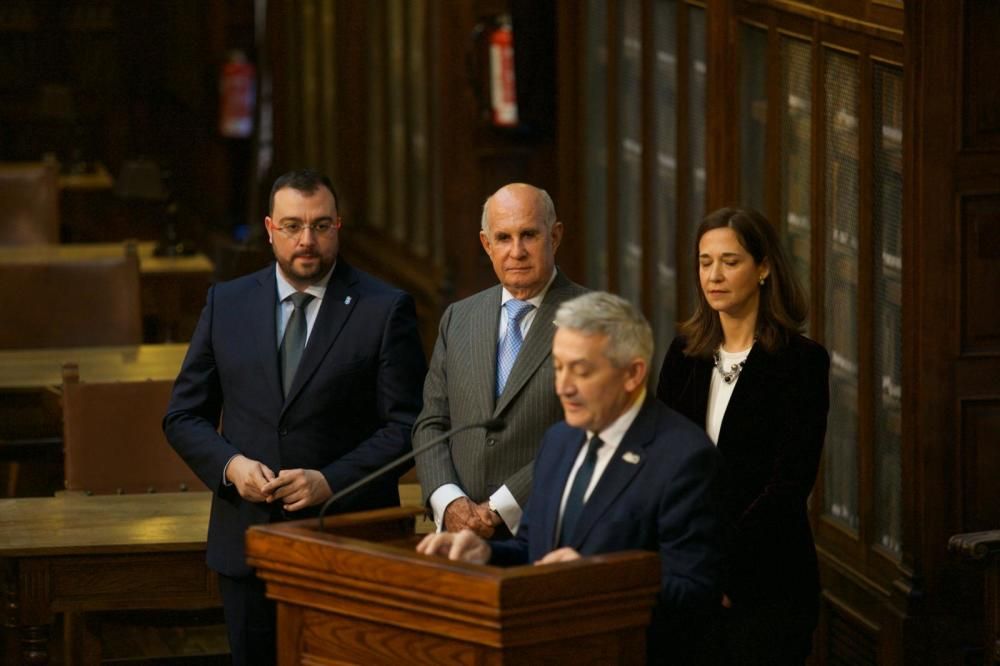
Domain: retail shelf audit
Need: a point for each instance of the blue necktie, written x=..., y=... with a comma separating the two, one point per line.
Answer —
x=577, y=492
x=509, y=348
x=294, y=340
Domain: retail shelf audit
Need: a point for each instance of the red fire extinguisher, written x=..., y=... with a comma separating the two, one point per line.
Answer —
x=237, y=97
x=503, y=92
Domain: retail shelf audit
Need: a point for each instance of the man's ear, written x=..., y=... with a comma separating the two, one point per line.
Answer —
x=556, y=233
x=635, y=374
x=485, y=240
x=269, y=225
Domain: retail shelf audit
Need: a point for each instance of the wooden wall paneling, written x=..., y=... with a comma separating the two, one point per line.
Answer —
x=329, y=114
x=286, y=65
x=979, y=424
x=346, y=95
x=686, y=281
x=857, y=16
x=612, y=136
x=772, y=152
x=376, y=122
x=467, y=268
x=309, y=103
x=980, y=266
x=648, y=169
x=722, y=159
x=847, y=636
x=397, y=165
x=980, y=96
x=570, y=137
x=630, y=148
x=936, y=209
x=417, y=216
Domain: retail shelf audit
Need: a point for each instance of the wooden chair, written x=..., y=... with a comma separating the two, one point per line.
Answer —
x=113, y=440
x=29, y=199
x=982, y=549
x=71, y=303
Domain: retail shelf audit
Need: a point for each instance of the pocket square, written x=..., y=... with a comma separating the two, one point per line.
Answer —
x=630, y=457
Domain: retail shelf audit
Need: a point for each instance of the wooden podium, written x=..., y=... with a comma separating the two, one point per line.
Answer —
x=358, y=593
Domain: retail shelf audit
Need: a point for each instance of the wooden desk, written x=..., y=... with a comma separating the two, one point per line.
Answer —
x=30, y=414
x=72, y=554
x=34, y=369
x=98, y=180
x=173, y=288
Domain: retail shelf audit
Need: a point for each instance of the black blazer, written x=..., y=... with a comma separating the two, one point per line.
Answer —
x=349, y=411
x=771, y=438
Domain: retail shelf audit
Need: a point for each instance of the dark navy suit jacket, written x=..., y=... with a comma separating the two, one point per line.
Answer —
x=664, y=501
x=349, y=411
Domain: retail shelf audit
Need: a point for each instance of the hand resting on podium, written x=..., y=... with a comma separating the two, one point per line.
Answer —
x=467, y=546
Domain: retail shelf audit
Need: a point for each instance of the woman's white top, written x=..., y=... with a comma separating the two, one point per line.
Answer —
x=720, y=392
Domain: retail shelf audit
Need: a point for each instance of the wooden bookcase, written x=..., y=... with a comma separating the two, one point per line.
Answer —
x=833, y=117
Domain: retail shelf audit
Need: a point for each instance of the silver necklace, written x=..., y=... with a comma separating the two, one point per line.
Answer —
x=731, y=375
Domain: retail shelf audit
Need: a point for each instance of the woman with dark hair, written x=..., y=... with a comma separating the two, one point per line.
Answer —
x=742, y=370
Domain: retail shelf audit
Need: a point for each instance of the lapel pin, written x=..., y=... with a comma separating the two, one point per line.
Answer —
x=631, y=457
x=347, y=301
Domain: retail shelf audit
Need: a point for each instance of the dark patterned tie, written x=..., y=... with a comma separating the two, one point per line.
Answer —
x=294, y=340
x=577, y=492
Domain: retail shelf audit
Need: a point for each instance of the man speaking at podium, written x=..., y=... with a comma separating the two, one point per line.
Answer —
x=620, y=473
x=314, y=369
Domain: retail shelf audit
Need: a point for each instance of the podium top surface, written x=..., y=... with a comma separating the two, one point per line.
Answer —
x=376, y=550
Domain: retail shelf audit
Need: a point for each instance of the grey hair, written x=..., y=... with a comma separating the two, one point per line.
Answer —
x=599, y=313
x=543, y=200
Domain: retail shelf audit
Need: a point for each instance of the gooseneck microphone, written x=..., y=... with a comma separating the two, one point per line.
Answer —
x=491, y=424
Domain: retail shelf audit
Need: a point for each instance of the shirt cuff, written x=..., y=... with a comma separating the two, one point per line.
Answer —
x=508, y=508
x=440, y=499
x=225, y=481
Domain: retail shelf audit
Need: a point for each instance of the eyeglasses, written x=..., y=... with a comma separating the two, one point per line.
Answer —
x=295, y=229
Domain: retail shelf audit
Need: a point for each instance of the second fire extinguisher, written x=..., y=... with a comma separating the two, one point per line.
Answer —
x=503, y=91
x=237, y=97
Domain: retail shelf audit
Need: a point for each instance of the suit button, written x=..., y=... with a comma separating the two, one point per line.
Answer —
x=283, y=432
x=491, y=442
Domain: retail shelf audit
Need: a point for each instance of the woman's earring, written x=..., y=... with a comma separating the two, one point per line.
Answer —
x=762, y=280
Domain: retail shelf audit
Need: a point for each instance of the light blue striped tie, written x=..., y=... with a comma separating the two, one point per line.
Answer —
x=508, y=349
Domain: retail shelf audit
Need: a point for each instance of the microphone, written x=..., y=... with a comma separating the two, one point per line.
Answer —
x=490, y=424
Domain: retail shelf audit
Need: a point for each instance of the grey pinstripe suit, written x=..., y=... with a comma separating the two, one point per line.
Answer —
x=459, y=389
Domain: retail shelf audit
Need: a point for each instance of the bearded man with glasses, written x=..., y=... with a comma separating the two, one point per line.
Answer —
x=318, y=368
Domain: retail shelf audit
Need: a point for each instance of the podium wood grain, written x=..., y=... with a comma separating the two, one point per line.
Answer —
x=361, y=594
